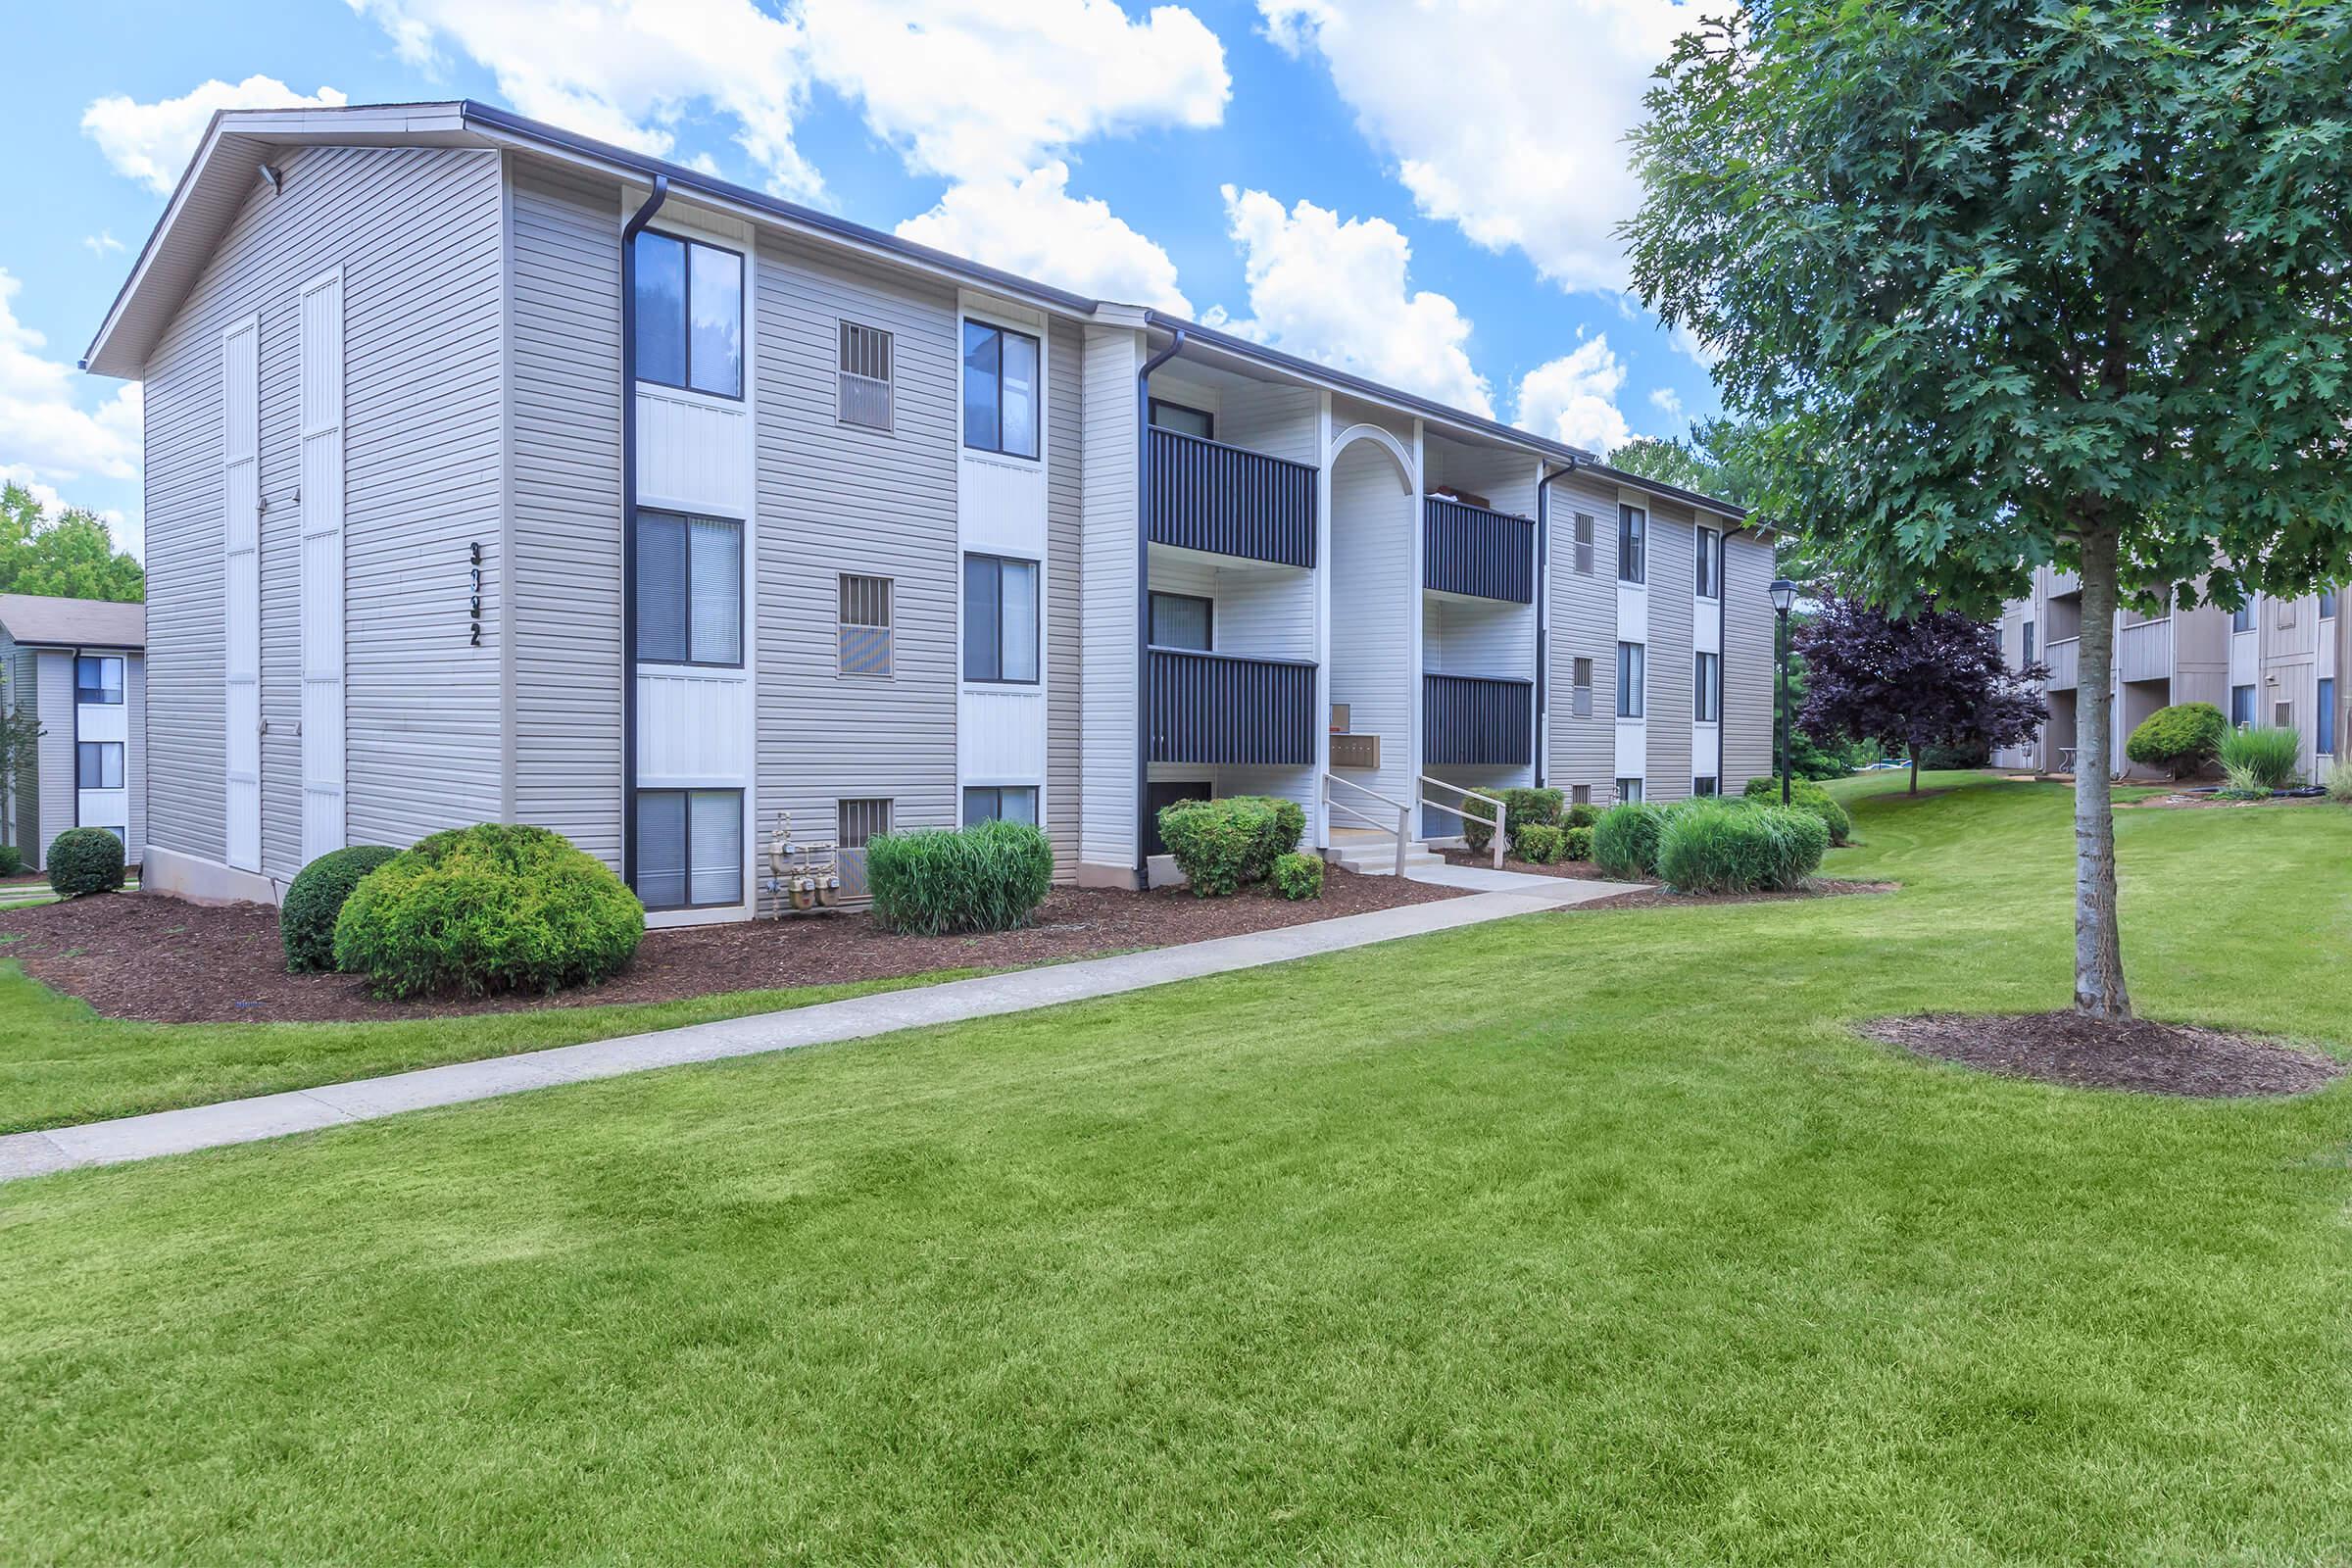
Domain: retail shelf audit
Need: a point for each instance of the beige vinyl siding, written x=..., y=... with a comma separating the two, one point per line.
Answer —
x=1065, y=474
x=564, y=478
x=1582, y=625
x=1747, y=660
x=1673, y=566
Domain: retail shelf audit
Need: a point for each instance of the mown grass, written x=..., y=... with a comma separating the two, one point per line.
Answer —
x=1596, y=1237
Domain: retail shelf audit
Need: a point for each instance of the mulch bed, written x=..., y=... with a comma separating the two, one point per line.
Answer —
x=1574, y=870
x=145, y=955
x=2137, y=1054
x=1667, y=897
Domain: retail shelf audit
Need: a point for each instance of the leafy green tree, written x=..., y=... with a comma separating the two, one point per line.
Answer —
x=70, y=555
x=1710, y=459
x=2013, y=281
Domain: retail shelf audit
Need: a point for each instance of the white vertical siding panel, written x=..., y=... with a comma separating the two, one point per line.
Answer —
x=1375, y=521
x=323, y=585
x=1673, y=567
x=1065, y=505
x=1107, y=835
x=241, y=573
x=134, y=755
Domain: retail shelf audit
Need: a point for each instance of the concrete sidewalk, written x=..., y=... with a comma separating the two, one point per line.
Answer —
x=245, y=1121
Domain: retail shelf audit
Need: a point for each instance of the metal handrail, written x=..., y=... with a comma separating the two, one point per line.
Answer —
x=1404, y=811
x=1468, y=795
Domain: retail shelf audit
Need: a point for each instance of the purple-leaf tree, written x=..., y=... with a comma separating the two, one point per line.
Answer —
x=1934, y=677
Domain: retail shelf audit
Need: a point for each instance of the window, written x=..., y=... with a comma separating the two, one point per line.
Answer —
x=1580, y=794
x=1631, y=657
x=999, y=620
x=2327, y=716
x=2242, y=617
x=1583, y=545
x=689, y=590
x=1705, y=785
x=689, y=314
x=1581, y=689
x=2241, y=706
x=2327, y=604
x=1629, y=790
x=1706, y=688
x=2027, y=645
x=1000, y=390
x=862, y=820
x=1183, y=620
x=864, y=625
x=2283, y=714
x=98, y=678
x=1183, y=421
x=1000, y=803
x=689, y=848
x=1633, y=536
x=1709, y=584
x=864, y=375
x=98, y=764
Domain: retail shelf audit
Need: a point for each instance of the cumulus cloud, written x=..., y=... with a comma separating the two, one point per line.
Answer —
x=1338, y=292
x=1506, y=119
x=1667, y=401
x=102, y=243
x=153, y=142
x=1034, y=226
x=46, y=436
x=1574, y=398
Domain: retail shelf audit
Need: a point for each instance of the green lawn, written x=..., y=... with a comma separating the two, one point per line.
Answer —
x=1581, y=1238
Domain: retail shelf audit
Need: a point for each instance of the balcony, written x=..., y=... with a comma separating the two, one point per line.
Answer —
x=2060, y=657
x=1231, y=712
x=1469, y=550
x=2144, y=650
x=1477, y=719
x=1230, y=500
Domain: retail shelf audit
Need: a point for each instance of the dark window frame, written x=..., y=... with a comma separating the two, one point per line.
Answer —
x=1632, y=543
x=1037, y=803
x=687, y=792
x=1151, y=612
x=743, y=311
x=1584, y=549
x=2325, y=719
x=1706, y=687
x=1157, y=404
x=690, y=518
x=1037, y=628
x=1639, y=792
x=1037, y=401
x=1707, y=566
x=101, y=748
x=2241, y=619
x=121, y=664
x=1706, y=786
x=2026, y=643
x=1633, y=681
x=2251, y=697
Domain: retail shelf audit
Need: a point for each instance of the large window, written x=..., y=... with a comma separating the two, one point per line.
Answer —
x=1706, y=688
x=2327, y=716
x=1183, y=421
x=1631, y=678
x=1632, y=545
x=1709, y=581
x=98, y=678
x=98, y=764
x=689, y=314
x=2241, y=706
x=1000, y=390
x=689, y=848
x=999, y=620
x=1000, y=803
x=1183, y=621
x=689, y=590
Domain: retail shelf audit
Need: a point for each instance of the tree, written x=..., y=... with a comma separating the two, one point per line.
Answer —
x=1934, y=677
x=70, y=555
x=2006, y=282
x=1709, y=461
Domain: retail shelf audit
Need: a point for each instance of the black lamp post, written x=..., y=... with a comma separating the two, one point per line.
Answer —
x=1784, y=598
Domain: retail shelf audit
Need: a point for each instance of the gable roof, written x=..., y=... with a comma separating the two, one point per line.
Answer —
x=41, y=621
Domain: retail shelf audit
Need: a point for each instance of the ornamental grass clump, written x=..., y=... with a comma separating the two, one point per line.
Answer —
x=990, y=876
x=1805, y=796
x=2261, y=758
x=1714, y=846
x=1624, y=840
x=2339, y=783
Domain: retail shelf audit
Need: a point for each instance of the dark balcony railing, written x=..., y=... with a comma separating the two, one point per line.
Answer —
x=1470, y=719
x=1230, y=501
x=1241, y=712
x=1469, y=550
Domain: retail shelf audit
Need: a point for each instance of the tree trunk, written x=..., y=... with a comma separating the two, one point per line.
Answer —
x=1912, y=747
x=2098, y=936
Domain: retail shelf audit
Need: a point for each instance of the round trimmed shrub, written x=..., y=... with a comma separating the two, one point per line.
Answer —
x=83, y=861
x=1624, y=840
x=1805, y=796
x=497, y=907
x=1218, y=844
x=1541, y=844
x=12, y=859
x=1576, y=844
x=1298, y=876
x=990, y=876
x=1583, y=814
x=2184, y=739
x=315, y=899
x=1286, y=825
x=1713, y=847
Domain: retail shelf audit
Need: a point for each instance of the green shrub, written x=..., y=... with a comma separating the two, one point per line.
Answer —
x=1287, y=825
x=990, y=876
x=1541, y=844
x=1218, y=844
x=1298, y=876
x=1583, y=814
x=1717, y=847
x=1806, y=796
x=84, y=860
x=1577, y=843
x=2184, y=739
x=315, y=899
x=12, y=859
x=1522, y=808
x=497, y=907
x=2263, y=756
x=2339, y=783
x=1624, y=840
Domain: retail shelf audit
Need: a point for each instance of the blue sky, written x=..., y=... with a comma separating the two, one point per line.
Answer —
x=1421, y=190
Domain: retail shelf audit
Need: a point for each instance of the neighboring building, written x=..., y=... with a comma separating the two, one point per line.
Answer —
x=77, y=665
x=2273, y=663
x=914, y=541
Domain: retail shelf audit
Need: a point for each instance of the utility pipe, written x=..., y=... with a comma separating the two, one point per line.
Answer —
x=1143, y=602
x=629, y=524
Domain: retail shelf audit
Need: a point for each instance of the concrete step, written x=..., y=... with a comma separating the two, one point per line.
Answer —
x=1379, y=858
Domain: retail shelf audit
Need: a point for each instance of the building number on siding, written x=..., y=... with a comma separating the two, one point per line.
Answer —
x=476, y=609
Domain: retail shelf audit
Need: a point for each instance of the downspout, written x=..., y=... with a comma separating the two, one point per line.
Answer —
x=1142, y=600
x=629, y=524
x=1543, y=612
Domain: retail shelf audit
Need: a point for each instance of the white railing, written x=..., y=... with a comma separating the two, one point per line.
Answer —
x=1403, y=813
x=1467, y=794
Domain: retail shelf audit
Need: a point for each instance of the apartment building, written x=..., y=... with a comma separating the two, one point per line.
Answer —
x=498, y=474
x=76, y=669
x=2274, y=661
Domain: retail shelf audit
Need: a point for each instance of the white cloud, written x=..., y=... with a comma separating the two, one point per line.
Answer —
x=1336, y=292
x=46, y=437
x=153, y=142
x=1504, y=119
x=101, y=243
x=1036, y=228
x=1667, y=401
x=1574, y=398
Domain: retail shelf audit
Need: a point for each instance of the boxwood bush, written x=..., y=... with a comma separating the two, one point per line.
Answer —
x=1286, y=826
x=1576, y=844
x=1805, y=796
x=1624, y=840
x=497, y=907
x=12, y=859
x=1218, y=844
x=83, y=861
x=990, y=876
x=1717, y=847
x=306, y=924
x=1298, y=876
x=1583, y=814
x=1540, y=844
x=2184, y=739
x=2261, y=758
